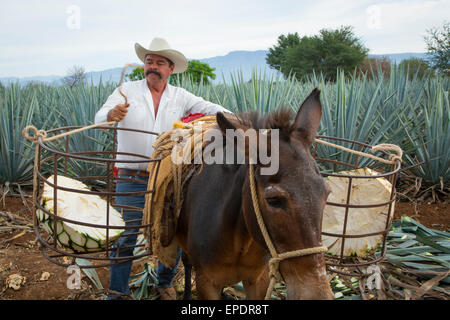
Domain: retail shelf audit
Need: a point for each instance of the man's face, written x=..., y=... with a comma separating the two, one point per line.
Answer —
x=157, y=68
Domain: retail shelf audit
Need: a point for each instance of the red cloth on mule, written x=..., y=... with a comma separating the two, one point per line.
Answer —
x=192, y=116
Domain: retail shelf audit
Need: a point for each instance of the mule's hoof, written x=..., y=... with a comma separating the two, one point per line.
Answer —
x=167, y=293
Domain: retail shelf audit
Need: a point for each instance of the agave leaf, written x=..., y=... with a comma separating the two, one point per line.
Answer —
x=143, y=276
x=407, y=244
x=146, y=281
x=409, y=250
x=418, y=257
x=355, y=297
x=134, y=276
x=399, y=234
x=141, y=292
x=90, y=272
x=424, y=267
x=441, y=259
x=407, y=221
x=140, y=250
x=422, y=237
x=430, y=138
x=17, y=110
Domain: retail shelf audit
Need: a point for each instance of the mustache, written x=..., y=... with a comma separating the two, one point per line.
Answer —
x=153, y=71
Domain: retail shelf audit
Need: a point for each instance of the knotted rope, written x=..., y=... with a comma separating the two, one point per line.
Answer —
x=392, y=157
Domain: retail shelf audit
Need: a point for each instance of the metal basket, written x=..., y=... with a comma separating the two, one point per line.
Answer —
x=104, y=161
x=336, y=160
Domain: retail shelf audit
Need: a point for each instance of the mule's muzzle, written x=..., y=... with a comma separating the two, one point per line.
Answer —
x=306, y=278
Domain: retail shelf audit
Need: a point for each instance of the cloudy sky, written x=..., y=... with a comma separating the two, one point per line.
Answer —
x=47, y=37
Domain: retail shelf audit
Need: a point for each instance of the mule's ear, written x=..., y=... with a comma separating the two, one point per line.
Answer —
x=308, y=117
x=223, y=122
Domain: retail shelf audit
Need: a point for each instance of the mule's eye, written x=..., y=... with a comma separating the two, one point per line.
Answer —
x=276, y=202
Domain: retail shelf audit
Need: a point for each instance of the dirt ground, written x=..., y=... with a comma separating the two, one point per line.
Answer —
x=44, y=280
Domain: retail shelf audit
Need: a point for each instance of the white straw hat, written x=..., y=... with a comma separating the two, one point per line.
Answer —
x=161, y=47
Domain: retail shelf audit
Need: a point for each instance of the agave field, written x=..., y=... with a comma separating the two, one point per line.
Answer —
x=411, y=112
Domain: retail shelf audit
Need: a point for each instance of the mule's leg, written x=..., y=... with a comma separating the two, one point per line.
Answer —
x=205, y=287
x=187, y=277
x=255, y=289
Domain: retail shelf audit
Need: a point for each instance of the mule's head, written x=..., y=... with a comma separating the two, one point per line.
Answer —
x=292, y=199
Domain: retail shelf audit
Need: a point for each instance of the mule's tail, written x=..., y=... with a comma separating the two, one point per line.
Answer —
x=187, y=277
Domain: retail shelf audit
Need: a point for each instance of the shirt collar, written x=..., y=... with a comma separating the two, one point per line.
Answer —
x=168, y=91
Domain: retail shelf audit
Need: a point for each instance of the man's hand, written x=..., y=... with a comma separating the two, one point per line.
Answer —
x=118, y=113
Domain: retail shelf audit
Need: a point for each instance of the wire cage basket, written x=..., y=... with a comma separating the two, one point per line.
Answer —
x=350, y=167
x=67, y=157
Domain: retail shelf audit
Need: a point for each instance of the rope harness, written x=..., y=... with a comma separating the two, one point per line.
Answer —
x=274, y=262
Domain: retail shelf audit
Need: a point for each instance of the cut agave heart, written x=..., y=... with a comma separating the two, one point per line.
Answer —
x=78, y=207
x=365, y=191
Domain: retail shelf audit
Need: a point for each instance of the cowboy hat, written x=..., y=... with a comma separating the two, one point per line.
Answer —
x=160, y=47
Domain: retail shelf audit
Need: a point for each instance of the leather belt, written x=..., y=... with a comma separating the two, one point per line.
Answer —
x=135, y=173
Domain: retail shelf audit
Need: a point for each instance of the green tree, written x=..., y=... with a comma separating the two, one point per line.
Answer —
x=136, y=74
x=438, y=45
x=415, y=66
x=275, y=57
x=325, y=52
x=198, y=71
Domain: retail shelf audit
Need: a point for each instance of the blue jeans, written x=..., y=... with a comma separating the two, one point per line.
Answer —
x=120, y=273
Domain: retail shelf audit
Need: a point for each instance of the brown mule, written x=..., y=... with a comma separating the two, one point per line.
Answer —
x=218, y=230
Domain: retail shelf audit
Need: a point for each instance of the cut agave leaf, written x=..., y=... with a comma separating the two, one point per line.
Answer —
x=365, y=191
x=86, y=208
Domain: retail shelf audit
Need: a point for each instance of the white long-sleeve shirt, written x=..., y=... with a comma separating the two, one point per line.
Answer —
x=175, y=103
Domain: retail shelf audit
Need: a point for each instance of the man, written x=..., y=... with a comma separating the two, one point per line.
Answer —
x=153, y=105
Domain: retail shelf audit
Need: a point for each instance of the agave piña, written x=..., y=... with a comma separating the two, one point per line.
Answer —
x=78, y=207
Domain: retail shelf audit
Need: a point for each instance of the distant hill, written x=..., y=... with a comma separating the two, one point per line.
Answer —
x=399, y=57
x=239, y=61
x=24, y=80
x=234, y=63
x=109, y=75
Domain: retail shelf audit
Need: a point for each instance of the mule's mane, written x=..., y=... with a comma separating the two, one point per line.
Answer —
x=281, y=119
